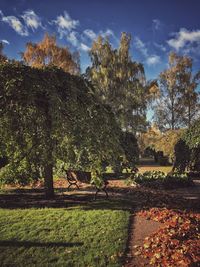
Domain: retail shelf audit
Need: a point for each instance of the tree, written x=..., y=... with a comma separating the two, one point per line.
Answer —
x=168, y=111
x=49, y=115
x=187, y=149
x=148, y=139
x=166, y=143
x=160, y=144
x=188, y=83
x=178, y=102
x=48, y=53
x=119, y=82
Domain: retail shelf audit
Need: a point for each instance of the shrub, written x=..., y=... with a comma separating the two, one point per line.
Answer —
x=158, y=179
x=177, y=179
x=21, y=174
x=187, y=150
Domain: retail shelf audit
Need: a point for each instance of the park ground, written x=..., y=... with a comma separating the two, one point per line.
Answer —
x=75, y=230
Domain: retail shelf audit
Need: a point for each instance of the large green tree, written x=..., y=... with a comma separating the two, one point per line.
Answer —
x=119, y=81
x=46, y=115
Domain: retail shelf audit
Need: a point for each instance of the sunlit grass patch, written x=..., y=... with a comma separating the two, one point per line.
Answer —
x=61, y=237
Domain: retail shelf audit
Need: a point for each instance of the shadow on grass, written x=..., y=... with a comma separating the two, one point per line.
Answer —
x=119, y=199
x=29, y=244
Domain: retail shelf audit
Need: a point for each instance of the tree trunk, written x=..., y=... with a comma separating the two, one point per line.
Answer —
x=173, y=120
x=48, y=181
x=48, y=165
x=172, y=112
x=189, y=116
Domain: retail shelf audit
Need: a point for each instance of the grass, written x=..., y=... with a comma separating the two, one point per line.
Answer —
x=144, y=168
x=165, y=169
x=61, y=237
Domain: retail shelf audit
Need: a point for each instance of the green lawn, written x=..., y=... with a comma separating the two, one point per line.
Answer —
x=165, y=169
x=62, y=237
x=146, y=168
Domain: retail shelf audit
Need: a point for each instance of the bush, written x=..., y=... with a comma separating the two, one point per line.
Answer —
x=187, y=150
x=177, y=179
x=130, y=155
x=21, y=174
x=158, y=179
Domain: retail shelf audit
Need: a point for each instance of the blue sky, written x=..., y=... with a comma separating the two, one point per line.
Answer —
x=156, y=26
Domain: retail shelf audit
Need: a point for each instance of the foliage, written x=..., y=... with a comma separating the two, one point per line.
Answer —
x=47, y=114
x=158, y=179
x=187, y=149
x=20, y=174
x=167, y=141
x=48, y=53
x=179, y=102
x=119, y=81
x=176, y=243
x=147, y=140
x=130, y=156
x=54, y=237
x=182, y=156
x=130, y=146
x=192, y=136
x=161, y=145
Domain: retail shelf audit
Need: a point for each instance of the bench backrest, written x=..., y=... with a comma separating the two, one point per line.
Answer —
x=85, y=177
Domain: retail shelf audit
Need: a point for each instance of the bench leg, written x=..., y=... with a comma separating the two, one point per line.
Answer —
x=105, y=192
x=97, y=191
x=102, y=189
x=70, y=184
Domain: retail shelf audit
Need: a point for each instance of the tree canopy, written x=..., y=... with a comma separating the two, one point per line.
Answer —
x=48, y=53
x=178, y=104
x=119, y=81
x=46, y=115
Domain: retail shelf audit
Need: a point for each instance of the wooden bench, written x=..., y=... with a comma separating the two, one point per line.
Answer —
x=74, y=177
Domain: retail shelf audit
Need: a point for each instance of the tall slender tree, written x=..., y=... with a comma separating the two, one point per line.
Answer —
x=188, y=83
x=119, y=81
x=178, y=103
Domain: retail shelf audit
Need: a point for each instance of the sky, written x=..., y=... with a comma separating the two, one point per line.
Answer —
x=157, y=27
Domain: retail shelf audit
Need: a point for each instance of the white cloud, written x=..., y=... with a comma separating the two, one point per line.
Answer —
x=72, y=37
x=153, y=60
x=82, y=41
x=141, y=46
x=90, y=34
x=15, y=24
x=106, y=33
x=84, y=47
x=5, y=41
x=156, y=24
x=183, y=38
x=65, y=23
x=31, y=19
x=149, y=59
x=161, y=47
x=1, y=13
